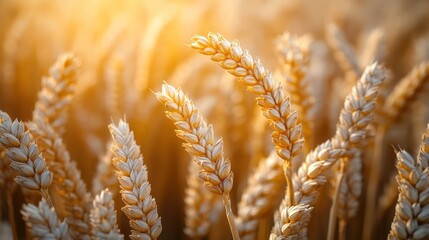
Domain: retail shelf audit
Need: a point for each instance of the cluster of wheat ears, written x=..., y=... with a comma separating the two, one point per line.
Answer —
x=314, y=158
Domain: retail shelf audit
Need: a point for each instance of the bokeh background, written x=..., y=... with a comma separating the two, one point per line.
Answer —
x=128, y=48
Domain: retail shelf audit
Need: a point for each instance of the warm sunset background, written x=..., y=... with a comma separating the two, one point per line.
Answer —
x=128, y=48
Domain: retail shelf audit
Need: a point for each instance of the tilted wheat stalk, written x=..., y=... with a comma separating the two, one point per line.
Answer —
x=71, y=189
x=412, y=210
x=105, y=174
x=27, y=160
x=350, y=191
x=202, y=207
x=406, y=90
x=260, y=195
x=200, y=144
x=258, y=80
x=294, y=55
x=43, y=222
x=103, y=217
x=343, y=51
x=57, y=91
x=8, y=185
x=351, y=130
x=115, y=88
x=140, y=207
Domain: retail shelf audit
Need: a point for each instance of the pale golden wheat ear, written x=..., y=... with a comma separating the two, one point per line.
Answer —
x=412, y=210
x=43, y=223
x=215, y=170
x=71, y=189
x=264, y=187
x=202, y=207
x=140, y=207
x=258, y=80
x=351, y=131
x=27, y=160
x=57, y=91
x=294, y=57
x=103, y=217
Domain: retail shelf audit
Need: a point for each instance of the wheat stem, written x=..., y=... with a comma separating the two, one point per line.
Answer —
x=335, y=204
x=342, y=229
x=230, y=216
x=374, y=178
x=287, y=168
x=11, y=213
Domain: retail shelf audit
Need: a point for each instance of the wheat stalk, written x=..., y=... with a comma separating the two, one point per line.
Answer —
x=396, y=102
x=405, y=91
x=201, y=206
x=140, y=207
x=351, y=130
x=412, y=210
x=115, y=88
x=276, y=108
x=374, y=47
x=260, y=195
x=351, y=188
x=70, y=186
x=103, y=217
x=6, y=173
x=199, y=137
x=105, y=174
x=27, y=161
x=147, y=49
x=44, y=223
x=343, y=51
x=294, y=56
x=57, y=91
x=8, y=185
x=423, y=157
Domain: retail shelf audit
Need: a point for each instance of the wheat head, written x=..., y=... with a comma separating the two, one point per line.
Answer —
x=57, y=92
x=140, y=207
x=43, y=222
x=103, y=217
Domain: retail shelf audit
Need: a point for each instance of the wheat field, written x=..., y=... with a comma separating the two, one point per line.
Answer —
x=226, y=119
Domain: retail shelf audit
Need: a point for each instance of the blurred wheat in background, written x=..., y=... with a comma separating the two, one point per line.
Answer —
x=147, y=120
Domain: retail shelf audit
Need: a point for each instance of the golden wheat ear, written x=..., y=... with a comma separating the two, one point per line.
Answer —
x=43, y=223
x=140, y=207
x=57, y=92
x=411, y=219
x=103, y=217
x=215, y=169
x=27, y=160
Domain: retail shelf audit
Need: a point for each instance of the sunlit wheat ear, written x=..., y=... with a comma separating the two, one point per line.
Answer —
x=43, y=222
x=27, y=161
x=199, y=140
x=140, y=207
x=57, y=92
x=260, y=196
x=405, y=91
x=71, y=189
x=294, y=57
x=202, y=207
x=103, y=217
x=258, y=80
x=412, y=210
x=351, y=129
